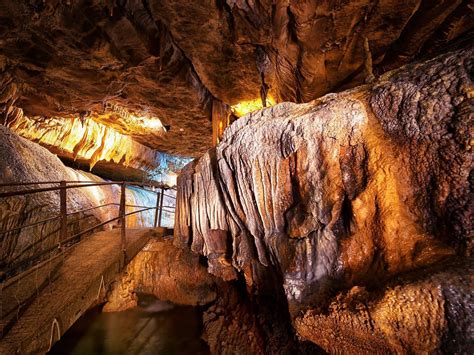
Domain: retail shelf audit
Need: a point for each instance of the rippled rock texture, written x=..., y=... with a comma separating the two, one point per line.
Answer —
x=90, y=145
x=175, y=60
x=352, y=208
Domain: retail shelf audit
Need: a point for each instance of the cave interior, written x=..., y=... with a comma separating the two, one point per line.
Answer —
x=304, y=170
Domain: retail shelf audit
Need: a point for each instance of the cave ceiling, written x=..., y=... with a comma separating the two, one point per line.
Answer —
x=171, y=60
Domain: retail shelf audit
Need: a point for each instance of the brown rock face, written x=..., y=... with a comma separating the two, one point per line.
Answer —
x=85, y=57
x=169, y=273
x=348, y=192
x=301, y=49
x=173, y=59
x=422, y=312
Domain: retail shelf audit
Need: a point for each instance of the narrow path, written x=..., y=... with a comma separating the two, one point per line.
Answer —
x=80, y=280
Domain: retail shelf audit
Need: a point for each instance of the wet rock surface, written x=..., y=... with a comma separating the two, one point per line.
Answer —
x=344, y=198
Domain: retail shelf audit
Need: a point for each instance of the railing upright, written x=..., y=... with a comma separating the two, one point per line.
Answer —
x=161, y=206
x=62, y=212
x=122, y=221
x=158, y=199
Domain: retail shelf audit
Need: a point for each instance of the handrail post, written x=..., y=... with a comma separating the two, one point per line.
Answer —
x=158, y=197
x=161, y=206
x=62, y=212
x=122, y=222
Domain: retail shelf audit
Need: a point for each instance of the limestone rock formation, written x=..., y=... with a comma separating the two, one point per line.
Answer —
x=24, y=161
x=423, y=312
x=173, y=59
x=349, y=193
x=86, y=140
x=165, y=271
x=94, y=146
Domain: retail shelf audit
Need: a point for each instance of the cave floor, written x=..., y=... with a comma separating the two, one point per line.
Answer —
x=76, y=282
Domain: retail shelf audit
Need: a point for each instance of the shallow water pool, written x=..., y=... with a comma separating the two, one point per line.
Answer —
x=154, y=327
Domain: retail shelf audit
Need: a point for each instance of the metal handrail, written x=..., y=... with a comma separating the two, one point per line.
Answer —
x=83, y=182
x=62, y=188
x=56, y=217
x=48, y=189
x=30, y=225
x=92, y=208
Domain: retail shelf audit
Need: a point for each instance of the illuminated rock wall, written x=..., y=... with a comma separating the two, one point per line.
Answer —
x=171, y=59
x=85, y=139
x=24, y=161
x=163, y=270
x=347, y=212
x=94, y=146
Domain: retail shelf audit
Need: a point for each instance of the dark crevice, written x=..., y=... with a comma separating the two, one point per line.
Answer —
x=299, y=63
x=227, y=10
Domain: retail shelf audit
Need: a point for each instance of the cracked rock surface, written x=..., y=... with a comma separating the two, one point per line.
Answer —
x=165, y=271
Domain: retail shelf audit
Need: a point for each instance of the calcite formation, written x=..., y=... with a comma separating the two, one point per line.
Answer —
x=88, y=144
x=320, y=218
x=86, y=140
x=172, y=60
x=354, y=211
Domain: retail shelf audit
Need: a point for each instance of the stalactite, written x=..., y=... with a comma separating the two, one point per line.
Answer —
x=368, y=62
x=221, y=114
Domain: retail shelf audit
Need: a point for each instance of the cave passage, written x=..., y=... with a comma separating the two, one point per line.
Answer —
x=236, y=177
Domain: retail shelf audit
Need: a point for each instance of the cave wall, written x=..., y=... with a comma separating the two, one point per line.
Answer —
x=344, y=198
x=85, y=140
x=87, y=144
x=25, y=161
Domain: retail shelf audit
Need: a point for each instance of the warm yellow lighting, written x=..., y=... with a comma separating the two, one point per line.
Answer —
x=150, y=123
x=129, y=122
x=86, y=139
x=242, y=108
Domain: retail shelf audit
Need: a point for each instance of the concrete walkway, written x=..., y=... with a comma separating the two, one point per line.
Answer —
x=76, y=282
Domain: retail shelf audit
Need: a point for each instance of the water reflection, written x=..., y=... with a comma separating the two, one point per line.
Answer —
x=155, y=327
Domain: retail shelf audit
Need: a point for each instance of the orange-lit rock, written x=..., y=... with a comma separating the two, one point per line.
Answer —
x=422, y=312
x=351, y=190
x=242, y=108
x=172, y=59
x=169, y=273
x=87, y=140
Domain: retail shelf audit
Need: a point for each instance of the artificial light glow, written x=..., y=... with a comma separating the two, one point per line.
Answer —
x=171, y=179
x=245, y=107
x=86, y=139
x=130, y=122
x=151, y=123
